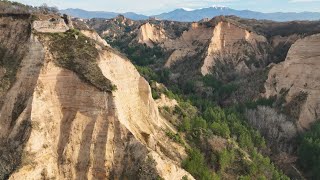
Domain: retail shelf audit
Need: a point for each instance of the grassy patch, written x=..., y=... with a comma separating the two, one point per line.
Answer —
x=76, y=52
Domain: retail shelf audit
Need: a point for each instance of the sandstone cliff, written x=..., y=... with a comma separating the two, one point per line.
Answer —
x=53, y=124
x=149, y=34
x=298, y=77
x=229, y=39
x=187, y=45
x=220, y=41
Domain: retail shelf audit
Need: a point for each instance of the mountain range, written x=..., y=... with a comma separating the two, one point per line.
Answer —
x=101, y=14
x=187, y=15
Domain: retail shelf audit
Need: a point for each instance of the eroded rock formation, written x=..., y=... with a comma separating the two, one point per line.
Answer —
x=149, y=34
x=55, y=125
x=298, y=77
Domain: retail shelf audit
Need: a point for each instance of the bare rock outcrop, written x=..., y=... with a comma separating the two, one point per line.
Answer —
x=221, y=41
x=230, y=39
x=297, y=75
x=187, y=45
x=55, y=125
x=149, y=34
x=95, y=36
x=54, y=25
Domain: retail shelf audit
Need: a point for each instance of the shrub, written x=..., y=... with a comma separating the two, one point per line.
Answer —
x=175, y=137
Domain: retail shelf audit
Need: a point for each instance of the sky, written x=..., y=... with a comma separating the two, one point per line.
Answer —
x=152, y=7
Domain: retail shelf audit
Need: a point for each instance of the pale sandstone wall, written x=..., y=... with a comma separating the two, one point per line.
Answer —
x=149, y=34
x=79, y=132
x=188, y=43
x=223, y=41
x=95, y=36
x=224, y=37
x=299, y=72
x=50, y=26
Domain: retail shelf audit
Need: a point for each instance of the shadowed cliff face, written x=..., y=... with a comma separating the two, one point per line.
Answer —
x=21, y=56
x=54, y=124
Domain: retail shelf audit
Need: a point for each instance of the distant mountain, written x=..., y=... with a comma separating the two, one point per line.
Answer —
x=101, y=14
x=188, y=15
x=198, y=14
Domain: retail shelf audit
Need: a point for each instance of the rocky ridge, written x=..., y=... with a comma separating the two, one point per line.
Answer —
x=55, y=125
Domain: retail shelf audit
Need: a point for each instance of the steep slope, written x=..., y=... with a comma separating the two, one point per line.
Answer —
x=149, y=34
x=188, y=43
x=219, y=40
x=297, y=79
x=235, y=41
x=59, y=123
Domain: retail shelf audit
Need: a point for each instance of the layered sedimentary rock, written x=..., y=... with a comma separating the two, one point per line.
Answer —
x=298, y=75
x=55, y=125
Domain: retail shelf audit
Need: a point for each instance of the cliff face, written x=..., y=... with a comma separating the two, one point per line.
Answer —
x=224, y=42
x=298, y=77
x=231, y=40
x=149, y=34
x=188, y=44
x=55, y=125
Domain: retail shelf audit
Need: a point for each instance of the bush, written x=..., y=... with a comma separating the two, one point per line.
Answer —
x=175, y=137
x=185, y=125
x=147, y=73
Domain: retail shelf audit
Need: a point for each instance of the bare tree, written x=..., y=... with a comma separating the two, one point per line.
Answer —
x=275, y=127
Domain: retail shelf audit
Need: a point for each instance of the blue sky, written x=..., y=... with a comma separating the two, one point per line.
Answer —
x=150, y=7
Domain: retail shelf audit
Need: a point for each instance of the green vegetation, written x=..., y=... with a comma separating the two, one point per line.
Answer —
x=195, y=164
x=242, y=156
x=140, y=54
x=175, y=137
x=309, y=151
x=200, y=120
x=76, y=52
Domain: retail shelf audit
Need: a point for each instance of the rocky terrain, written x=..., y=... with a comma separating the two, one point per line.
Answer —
x=298, y=80
x=58, y=123
x=265, y=67
x=222, y=98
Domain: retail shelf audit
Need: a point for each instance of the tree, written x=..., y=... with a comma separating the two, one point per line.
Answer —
x=195, y=165
x=273, y=126
x=309, y=151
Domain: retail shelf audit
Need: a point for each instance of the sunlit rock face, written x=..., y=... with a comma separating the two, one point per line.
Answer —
x=55, y=125
x=298, y=75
